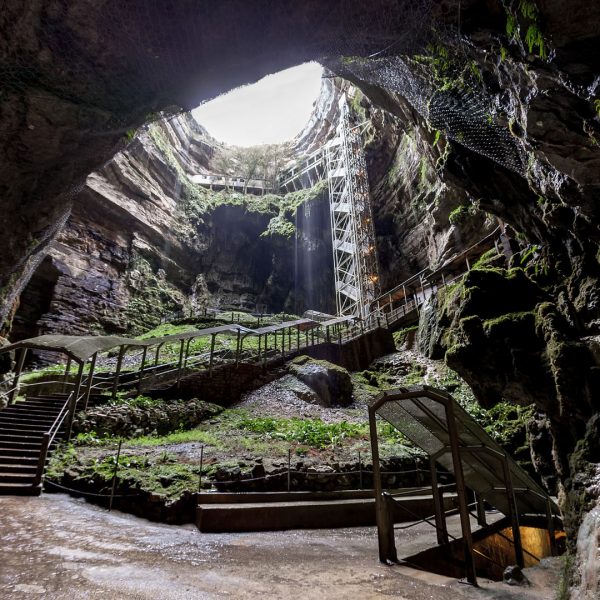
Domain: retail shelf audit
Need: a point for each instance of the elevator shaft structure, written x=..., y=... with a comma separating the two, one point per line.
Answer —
x=352, y=232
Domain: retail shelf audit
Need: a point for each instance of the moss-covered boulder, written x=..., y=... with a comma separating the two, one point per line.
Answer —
x=331, y=383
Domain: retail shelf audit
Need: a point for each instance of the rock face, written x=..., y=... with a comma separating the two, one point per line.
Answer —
x=144, y=242
x=331, y=384
x=129, y=420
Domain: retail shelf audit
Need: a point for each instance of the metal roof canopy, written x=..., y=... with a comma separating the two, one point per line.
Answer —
x=437, y=424
x=81, y=348
x=419, y=413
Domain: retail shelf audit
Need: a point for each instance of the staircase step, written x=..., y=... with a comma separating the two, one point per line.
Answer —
x=21, y=432
x=18, y=468
x=20, y=489
x=21, y=445
x=24, y=425
x=18, y=459
x=45, y=414
x=16, y=477
x=26, y=416
x=19, y=451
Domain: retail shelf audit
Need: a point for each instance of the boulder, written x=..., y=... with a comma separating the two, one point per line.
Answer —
x=332, y=384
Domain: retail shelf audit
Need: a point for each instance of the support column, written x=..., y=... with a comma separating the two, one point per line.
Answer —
x=514, y=513
x=481, y=518
x=122, y=350
x=66, y=375
x=438, y=503
x=461, y=491
x=144, y=353
x=385, y=528
x=73, y=402
x=156, y=357
x=212, y=352
x=238, y=348
x=90, y=380
x=180, y=364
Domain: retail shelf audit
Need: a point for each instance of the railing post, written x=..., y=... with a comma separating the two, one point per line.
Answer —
x=212, y=352
x=461, y=491
x=122, y=350
x=73, y=402
x=39, y=472
x=66, y=374
x=88, y=387
x=513, y=513
x=139, y=386
x=438, y=503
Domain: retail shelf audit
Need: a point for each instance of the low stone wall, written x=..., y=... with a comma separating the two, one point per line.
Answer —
x=128, y=420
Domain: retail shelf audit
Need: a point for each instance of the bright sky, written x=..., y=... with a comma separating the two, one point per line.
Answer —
x=271, y=111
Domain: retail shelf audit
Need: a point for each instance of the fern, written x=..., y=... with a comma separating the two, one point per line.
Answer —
x=528, y=9
x=533, y=39
x=512, y=29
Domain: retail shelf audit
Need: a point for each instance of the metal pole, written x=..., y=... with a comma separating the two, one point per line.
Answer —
x=360, y=472
x=259, y=346
x=66, y=375
x=15, y=381
x=90, y=380
x=201, y=465
x=114, y=480
x=438, y=503
x=73, y=402
x=461, y=493
x=237, y=348
x=289, y=473
x=180, y=365
x=139, y=386
x=298, y=338
x=481, y=518
x=212, y=351
x=551, y=532
x=122, y=350
x=385, y=529
x=187, y=352
x=513, y=513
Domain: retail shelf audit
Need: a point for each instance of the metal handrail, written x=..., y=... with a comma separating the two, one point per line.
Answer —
x=49, y=436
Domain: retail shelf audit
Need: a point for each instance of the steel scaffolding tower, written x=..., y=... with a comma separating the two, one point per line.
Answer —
x=352, y=232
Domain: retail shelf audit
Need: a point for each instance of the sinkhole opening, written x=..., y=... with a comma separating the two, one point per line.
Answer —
x=271, y=111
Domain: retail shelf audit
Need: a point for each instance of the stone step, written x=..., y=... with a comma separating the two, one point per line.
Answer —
x=25, y=468
x=274, y=516
x=21, y=445
x=20, y=452
x=20, y=489
x=6, y=424
x=21, y=436
x=18, y=458
x=21, y=432
x=35, y=412
x=16, y=477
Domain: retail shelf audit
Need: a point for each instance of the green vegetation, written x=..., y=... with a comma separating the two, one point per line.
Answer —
x=534, y=39
x=461, y=213
x=401, y=336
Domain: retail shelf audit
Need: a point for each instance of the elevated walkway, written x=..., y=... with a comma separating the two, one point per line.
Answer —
x=437, y=424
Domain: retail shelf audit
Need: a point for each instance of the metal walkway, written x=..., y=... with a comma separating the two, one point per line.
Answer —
x=341, y=162
x=436, y=423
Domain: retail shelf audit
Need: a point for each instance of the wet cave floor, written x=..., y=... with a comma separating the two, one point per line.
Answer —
x=56, y=547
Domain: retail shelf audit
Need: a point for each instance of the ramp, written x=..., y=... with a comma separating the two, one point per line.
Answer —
x=436, y=423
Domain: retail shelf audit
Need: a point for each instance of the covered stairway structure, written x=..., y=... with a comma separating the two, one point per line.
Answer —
x=436, y=423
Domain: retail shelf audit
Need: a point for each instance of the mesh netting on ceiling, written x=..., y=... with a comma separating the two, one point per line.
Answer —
x=114, y=55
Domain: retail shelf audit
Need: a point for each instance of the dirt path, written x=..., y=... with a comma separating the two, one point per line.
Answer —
x=55, y=547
